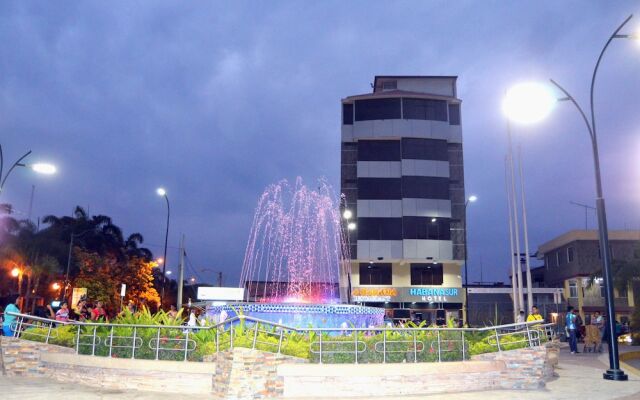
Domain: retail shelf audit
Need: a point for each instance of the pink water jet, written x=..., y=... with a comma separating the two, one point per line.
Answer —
x=297, y=248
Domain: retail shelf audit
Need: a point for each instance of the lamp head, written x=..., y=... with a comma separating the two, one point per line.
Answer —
x=351, y=226
x=44, y=168
x=528, y=102
x=473, y=198
x=347, y=214
x=161, y=191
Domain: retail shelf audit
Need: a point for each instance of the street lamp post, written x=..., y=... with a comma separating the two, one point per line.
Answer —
x=471, y=199
x=614, y=372
x=40, y=168
x=163, y=193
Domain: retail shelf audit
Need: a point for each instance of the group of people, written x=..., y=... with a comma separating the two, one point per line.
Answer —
x=534, y=315
x=574, y=325
x=82, y=312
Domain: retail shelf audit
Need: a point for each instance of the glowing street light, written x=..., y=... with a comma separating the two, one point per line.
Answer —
x=351, y=226
x=159, y=261
x=55, y=286
x=347, y=214
x=528, y=102
x=514, y=109
x=15, y=272
x=472, y=198
x=44, y=168
x=163, y=193
x=168, y=273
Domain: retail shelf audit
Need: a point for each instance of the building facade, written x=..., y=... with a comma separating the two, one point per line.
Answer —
x=403, y=180
x=572, y=259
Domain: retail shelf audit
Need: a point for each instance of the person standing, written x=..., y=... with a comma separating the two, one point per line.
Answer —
x=535, y=315
x=9, y=319
x=598, y=321
x=571, y=327
x=98, y=312
x=62, y=314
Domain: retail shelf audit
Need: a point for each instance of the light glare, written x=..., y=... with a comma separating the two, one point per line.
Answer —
x=161, y=192
x=473, y=198
x=44, y=168
x=15, y=272
x=529, y=102
x=347, y=214
x=351, y=226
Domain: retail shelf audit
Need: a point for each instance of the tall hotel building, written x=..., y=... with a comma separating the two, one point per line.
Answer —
x=403, y=180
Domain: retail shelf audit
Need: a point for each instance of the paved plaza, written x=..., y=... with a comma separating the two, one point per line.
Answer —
x=579, y=376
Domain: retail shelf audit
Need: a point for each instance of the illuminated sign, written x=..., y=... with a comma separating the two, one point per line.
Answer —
x=220, y=293
x=433, y=292
x=375, y=292
x=407, y=294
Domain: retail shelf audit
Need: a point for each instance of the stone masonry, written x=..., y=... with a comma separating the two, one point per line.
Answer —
x=22, y=357
x=250, y=374
x=527, y=368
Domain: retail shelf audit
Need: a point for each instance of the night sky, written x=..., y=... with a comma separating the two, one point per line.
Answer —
x=215, y=100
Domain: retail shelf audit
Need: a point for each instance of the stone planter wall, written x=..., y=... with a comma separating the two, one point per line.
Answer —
x=253, y=374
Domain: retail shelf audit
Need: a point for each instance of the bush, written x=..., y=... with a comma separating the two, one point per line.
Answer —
x=374, y=346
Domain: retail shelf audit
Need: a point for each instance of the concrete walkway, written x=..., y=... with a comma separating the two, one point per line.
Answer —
x=580, y=376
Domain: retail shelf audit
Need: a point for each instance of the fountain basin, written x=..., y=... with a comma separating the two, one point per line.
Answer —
x=303, y=315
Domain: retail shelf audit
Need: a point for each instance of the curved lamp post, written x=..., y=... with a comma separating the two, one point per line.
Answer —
x=471, y=199
x=41, y=168
x=163, y=193
x=543, y=107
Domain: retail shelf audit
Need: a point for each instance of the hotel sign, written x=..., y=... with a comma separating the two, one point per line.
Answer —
x=407, y=294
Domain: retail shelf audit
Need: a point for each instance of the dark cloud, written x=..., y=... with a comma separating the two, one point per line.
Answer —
x=216, y=100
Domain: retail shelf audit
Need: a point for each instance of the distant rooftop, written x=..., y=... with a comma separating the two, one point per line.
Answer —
x=591, y=235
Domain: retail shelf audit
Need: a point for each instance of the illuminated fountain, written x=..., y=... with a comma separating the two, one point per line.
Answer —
x=297, y=263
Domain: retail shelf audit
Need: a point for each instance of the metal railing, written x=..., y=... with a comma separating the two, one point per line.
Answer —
x=354, y=345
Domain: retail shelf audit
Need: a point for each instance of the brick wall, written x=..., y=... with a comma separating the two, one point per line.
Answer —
x=250, y=374
x=524, y=368
x=22, y=357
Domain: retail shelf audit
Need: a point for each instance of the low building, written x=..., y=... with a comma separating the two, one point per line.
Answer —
x=573, y=262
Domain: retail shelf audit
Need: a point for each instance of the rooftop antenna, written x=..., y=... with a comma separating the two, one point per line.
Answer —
x=586, y=212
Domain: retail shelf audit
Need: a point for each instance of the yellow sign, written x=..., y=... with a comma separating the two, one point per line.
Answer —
x=374, y=292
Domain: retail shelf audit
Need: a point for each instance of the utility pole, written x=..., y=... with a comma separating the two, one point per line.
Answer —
x=219, y=278
x=180, y=275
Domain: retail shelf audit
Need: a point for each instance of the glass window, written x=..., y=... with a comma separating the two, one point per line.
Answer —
x=603, y=292
x=425, y=149
x=378, y=150
x=573, y=289
x=379, y=188
x=425, y=228
x=425, y=187
x=375, y=274
x=379, y=229
x=454, y=114
x=570, y=254
x=426, y=274
x=347, y=114
x=432, y=110
x=389, y=85
x=372, y=109
x=622, y=294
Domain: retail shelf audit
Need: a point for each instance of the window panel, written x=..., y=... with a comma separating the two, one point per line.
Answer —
x=425, y=187
x=570, y=254
x=379, y=188
x=372, y=109
x=426, y=274
x=425, y=109
x=379, y=150
x=379, y=229
x=425, y=149
x=375, y=274
x=573, y=289
x=347, y=114
x=424, y=228
x=454, y=114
